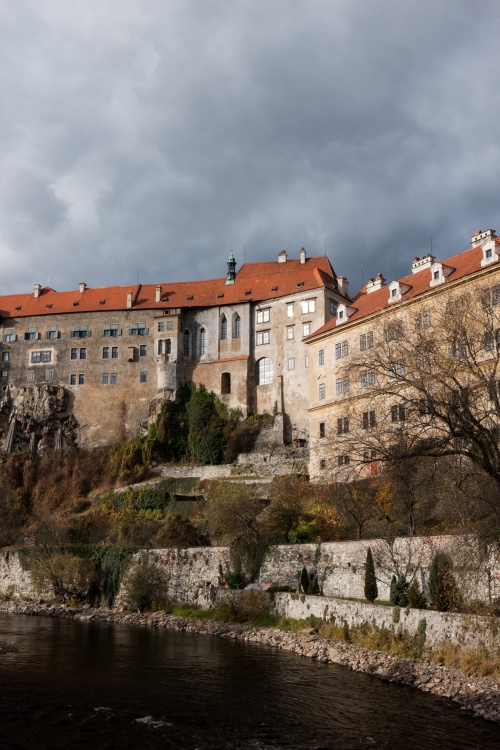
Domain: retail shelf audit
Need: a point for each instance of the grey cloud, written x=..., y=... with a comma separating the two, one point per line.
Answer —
x=157, y=136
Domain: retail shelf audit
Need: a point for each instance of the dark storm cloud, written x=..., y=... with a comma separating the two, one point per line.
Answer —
x=150, y=138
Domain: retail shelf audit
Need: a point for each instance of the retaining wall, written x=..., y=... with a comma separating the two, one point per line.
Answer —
x=468, y=630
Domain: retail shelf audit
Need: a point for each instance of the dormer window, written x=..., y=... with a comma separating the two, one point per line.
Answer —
x=490, y=254
x=397, y=290
x=439, y=273
x=344, y=313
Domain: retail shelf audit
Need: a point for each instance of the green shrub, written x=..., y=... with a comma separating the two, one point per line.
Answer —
x=68, y=576
x=398, y=594
x=146, y=584
x=178, y=531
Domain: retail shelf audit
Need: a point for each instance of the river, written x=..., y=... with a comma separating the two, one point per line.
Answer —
x=98, y=685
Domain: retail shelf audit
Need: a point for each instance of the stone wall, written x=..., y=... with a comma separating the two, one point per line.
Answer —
x=13, y=579
x=468, y=630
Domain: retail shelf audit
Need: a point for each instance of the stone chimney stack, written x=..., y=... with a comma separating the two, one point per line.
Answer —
x=158, y=294
x=343, y=285
x=83, y=286
x=302, y=255
x=129, y=299
x=282, y=257
x=36, y=290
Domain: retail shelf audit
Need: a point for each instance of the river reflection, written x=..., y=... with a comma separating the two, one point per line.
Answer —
x=73, y=685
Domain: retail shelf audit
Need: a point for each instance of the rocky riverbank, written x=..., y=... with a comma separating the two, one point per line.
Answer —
x=479, y=695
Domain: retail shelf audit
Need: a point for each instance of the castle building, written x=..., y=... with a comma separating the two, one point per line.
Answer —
x=92, y=365
x=373, y=365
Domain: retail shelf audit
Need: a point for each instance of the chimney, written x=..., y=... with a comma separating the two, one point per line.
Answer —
x=36, y=290
x=343, y=285
x=282, y=257
x=158, y=294
x=82, y=286
x=479, y=237
x=302, y=256
x=129, y=299
x=419, y=264
x=374, y=284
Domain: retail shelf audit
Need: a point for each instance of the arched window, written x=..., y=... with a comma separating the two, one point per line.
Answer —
x=237, y=327
x=223, y=327
x=203, y=341
x=225, y=383
x=187, y=342
x=264, y=371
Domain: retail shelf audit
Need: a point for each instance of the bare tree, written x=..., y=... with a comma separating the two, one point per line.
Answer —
x=430, y=390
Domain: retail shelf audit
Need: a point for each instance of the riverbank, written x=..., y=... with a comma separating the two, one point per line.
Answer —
x=479, y=695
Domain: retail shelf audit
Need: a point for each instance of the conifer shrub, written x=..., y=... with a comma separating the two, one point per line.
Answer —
x=304, y=580
x=398, y=592
x=371, y=590
x=416, y=599
x=443, y=590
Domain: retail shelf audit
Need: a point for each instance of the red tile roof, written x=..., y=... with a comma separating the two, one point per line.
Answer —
x=254, y=282
x=365, y=303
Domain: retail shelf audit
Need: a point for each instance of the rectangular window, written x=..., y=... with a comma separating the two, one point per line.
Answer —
x=341, y=349
x=31, y=335
x=74, y=353
x=321, y=391
x=83, y=352
x=321, y=356
x=291, y=363
x=138, y=329
x=289, y=310
x=306, y=329
x=426, y=318
x=31, y=375
x=343, y=460
x=369, y=419
x=262, y=338
x=367, y=378
x=51, y=333
x=72, y=379
x=105, y=378
x=369, y=455
x=49, y=375
x=161, y=325
x=113, y=378
x=342, y=425
x=366, y=341
x=424, y=407
x=111, y=329
x=306, y=360
x=396, y=369
x=322, y=429
x=333, y=307
x=263, y=316
x=394, y=331
x=37, y=357
x=81, y=379
x=308, y=306
x=170, y=325
x=114, y=352
x=143, y=350
x=342, y=385
x=5, y=373
x=289, y=332
x=143, y=376
x=9, y=335
x=5, y=356
x=398, y=413
x=322, y=463
x=105, y=352
x=80, y=332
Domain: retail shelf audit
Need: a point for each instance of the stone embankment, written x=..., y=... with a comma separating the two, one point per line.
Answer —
x=479, y=695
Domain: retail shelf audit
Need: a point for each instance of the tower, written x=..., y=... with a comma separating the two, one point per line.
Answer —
x=231, y=270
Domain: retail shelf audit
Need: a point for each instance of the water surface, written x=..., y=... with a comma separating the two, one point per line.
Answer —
x=99, y=685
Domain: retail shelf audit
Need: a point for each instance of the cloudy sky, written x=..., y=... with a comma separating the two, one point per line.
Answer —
x=147, y=138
